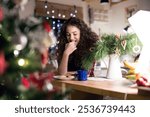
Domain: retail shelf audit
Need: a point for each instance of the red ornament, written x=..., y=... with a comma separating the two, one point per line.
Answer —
x=25, y=82
x=39, y=79
x=3, y=64
x=44, y=58
x=47, y=26
x=1, y=14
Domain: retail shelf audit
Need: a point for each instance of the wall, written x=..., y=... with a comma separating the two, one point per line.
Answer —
x=117, y=17
x=144, y=4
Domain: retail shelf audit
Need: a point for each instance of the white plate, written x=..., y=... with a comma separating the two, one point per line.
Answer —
x=62, y=77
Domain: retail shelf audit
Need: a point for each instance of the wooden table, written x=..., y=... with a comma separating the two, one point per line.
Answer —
x=96, y=87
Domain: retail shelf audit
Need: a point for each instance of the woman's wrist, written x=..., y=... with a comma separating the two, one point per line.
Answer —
x=66, y=53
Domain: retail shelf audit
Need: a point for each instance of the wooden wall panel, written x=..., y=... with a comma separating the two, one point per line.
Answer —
x=63, y=9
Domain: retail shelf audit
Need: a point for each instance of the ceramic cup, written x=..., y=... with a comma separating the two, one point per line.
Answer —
x=82, y=75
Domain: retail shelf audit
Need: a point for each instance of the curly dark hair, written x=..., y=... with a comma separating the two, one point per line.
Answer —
x=88, y=39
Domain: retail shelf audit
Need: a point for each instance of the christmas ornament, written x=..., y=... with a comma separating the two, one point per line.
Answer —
x=46, y=26
x=39, y=39
x=117, y=37
x=38, y=79
x=25, y=82
x=124, y=43
x=3, y=64
x=44, y=58
x=48, y=86
x=22, y=4
x=117, y=51
x=1, y=14
x=136, y=49
x=48, y=29
x=19, y=41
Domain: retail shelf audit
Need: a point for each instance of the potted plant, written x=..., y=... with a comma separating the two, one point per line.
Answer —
x=111, y=44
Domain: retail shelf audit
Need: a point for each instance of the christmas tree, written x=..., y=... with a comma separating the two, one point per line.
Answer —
x=24, y=55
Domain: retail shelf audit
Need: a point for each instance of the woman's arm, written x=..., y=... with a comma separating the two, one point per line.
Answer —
x=63, y=67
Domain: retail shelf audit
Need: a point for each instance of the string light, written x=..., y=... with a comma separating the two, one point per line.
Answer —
x=71, y=14
x=75, y=9
x=21, y=62
x=74, y=15
x=45, y=4
x=16, y=52
x=18, y=47
x=58, y=25
x=63, y=16
x=53, y=22
x=48, y=12
x=55, y=12
x=59, y=14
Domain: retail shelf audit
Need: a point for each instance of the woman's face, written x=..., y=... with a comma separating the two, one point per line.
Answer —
x=73, y=34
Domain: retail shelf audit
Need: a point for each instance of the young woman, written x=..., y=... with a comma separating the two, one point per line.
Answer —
x=75, y=41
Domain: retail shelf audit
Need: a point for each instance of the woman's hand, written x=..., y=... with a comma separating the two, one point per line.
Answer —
x=70, y=48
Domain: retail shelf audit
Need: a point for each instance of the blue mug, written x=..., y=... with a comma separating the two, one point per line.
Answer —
x=82, y=75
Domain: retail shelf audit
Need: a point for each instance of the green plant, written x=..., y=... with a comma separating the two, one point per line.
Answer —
x=111, y=44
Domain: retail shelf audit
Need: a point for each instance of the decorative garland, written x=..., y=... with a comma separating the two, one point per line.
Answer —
x=111, y=44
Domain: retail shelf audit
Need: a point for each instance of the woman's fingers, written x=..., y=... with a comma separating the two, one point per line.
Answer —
x=70, y=47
